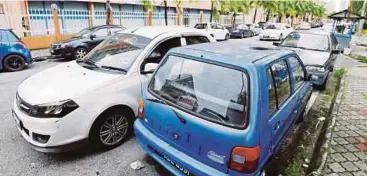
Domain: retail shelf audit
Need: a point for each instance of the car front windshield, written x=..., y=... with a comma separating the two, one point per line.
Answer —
x=118, y=52
x=274, y=26
x=209, y=91
x=307, y=41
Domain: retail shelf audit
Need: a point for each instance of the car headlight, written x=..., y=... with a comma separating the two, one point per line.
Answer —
x=56, y=109
x=63, y=45
x=315, y=68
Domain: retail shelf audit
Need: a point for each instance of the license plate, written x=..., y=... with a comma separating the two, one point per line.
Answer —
x=180, y=168
x=16, y=119
x=266, y=36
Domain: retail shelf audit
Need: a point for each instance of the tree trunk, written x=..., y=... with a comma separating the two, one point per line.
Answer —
x=254, y=20
x=211, y=11
x=279, y=19
x=268, y=16
x=234, y=19
x=165, y=12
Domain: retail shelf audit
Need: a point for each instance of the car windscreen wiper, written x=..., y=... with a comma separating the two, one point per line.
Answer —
x=114, y=68
x=87, y=62
x=156, y=100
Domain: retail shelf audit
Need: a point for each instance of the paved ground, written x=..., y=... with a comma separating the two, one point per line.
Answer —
x=17, y=158
x=348, y=153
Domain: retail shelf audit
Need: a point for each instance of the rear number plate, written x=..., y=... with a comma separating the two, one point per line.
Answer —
x=180, y=168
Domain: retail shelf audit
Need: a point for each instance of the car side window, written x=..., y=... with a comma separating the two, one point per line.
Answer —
x=219, y=26
x=298, y=72
x=115, y=30
x=190, y=40
x=161, y=50
x=213, y=26
x=272, y=92
x=281, y=80
x=101, y=32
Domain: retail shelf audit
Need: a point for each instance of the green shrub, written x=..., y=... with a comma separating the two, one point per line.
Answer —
x=339, y=73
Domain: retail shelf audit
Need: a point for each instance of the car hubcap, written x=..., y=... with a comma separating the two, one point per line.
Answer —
x=113, y=130
x=14, y=62
x=80, y=54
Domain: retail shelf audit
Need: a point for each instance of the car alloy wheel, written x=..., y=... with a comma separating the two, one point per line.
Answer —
x=14, y=63
x=227, y=37
x=113, y=130
x=80, y=53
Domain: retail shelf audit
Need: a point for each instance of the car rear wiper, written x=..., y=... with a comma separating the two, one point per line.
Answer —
x=156, y=100
x=114, y=68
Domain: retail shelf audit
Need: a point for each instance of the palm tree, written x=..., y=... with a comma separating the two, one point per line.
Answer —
x=235, y=7
x=256, y=4
x=214, y=12
x=270, y=7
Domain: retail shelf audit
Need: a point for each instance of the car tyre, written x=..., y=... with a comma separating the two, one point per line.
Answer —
x=80, y=53
x=301, y=117
x=112, y=128
x=227, y=37
x=14, y=63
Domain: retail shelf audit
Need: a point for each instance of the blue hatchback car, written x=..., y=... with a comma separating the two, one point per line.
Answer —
x=14, y=55
x=210, y=110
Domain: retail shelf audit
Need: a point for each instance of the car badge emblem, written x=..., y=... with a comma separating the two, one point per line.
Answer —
x=216, y=157
x=175, y=136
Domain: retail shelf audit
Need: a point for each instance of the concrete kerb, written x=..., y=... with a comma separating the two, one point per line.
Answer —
x=329, y=130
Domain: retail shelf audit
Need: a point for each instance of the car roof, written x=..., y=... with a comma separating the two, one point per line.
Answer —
x=232, y=54
x=154, y=31
x=105, y=25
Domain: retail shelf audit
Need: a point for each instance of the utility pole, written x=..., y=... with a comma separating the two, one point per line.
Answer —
x=108, y=12
x=363, y=14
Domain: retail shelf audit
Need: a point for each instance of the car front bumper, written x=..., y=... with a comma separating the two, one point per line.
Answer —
x=59, y=134
x=319, y=78
x=64, y=52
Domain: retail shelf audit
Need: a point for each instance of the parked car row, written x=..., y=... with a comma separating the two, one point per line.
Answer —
x=193, y=103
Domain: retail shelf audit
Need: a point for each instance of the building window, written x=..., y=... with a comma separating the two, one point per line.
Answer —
x=2, y=9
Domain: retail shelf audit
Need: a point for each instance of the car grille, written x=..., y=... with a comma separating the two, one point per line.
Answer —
x=23, y=106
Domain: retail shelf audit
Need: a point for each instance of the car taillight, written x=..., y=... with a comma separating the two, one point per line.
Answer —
x=244, y=159
x=141, y=108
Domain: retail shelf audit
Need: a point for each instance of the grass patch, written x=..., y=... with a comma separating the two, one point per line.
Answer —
x=339, y=73
x=360, y=58
x=295, y=167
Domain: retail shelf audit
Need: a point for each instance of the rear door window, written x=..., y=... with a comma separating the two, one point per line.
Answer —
x=201, y=26
x=190, y=40
x=298, y=73
x=212, y=92
x=281, y=81
x=101, y=32
x=115, y=30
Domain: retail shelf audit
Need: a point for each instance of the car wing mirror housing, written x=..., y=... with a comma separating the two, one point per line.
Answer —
x=276, y=43
x=335, y=51
x=149, y=68
x=308, y=77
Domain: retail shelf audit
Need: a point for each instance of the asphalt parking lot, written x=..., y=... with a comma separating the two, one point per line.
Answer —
x=18, y=158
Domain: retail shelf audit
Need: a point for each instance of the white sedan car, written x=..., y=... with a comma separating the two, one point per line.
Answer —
x=95, y=99
x=216, y=30
x=275, y=31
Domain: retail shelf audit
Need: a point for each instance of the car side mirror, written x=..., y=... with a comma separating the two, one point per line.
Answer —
x=335, y=51
x=308, y=77
x=93, y=36
x=149, y=68
x=276, y=43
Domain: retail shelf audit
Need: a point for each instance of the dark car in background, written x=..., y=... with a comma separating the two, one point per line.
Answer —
x=319, y=57
x=80, y=44
x=14, y=54
x=239, y=31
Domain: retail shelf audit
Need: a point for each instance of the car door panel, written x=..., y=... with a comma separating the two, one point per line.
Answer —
x=281, y=120
x=3, y=47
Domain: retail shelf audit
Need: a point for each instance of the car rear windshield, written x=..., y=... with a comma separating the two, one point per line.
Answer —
x=201, y=26
x=307, y=41
x=273, y=26
x=212, y=92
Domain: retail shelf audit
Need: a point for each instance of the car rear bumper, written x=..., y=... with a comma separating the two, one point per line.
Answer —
x=158, y=149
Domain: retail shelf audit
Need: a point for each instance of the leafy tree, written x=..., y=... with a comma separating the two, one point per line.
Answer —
x=235, y=7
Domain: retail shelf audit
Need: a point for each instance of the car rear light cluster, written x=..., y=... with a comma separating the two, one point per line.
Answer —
x=244, y=159
x=141, y=108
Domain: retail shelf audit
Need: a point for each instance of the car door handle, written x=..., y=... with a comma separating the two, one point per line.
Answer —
x=277, y=126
